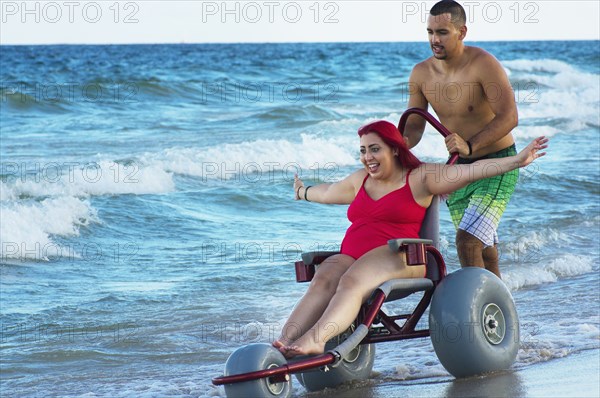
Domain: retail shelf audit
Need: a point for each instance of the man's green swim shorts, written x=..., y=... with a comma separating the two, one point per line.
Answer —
x=477, y=208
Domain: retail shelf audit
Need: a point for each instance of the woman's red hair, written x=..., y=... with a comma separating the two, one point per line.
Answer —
x=391, y=136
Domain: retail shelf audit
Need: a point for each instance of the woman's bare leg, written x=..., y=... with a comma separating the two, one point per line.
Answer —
x=356, y=285
x=310, y=308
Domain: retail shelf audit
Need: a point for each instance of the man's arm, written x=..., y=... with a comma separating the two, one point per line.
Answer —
x=415, y=125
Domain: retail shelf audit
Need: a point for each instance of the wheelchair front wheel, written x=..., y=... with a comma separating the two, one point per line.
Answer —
x=357, y=366
x=250, y=358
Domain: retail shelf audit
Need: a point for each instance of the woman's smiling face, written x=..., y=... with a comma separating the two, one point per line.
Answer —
x=377, y=157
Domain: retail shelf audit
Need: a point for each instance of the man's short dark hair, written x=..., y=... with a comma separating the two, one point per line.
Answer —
x=456, y=11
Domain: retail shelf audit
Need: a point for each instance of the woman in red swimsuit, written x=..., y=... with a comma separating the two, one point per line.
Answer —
x=388, y=199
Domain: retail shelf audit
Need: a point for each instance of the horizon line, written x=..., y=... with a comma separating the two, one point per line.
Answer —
x=282, y=42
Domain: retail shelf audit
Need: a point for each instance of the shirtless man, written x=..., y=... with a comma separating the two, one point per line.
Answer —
x=472, y=96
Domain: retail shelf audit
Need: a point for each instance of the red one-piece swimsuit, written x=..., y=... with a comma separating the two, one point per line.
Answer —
x=374, y=222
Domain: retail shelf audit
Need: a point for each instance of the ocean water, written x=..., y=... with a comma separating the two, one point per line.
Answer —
x=148, y=226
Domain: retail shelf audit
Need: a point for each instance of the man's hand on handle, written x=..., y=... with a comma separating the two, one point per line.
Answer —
x=455, y=144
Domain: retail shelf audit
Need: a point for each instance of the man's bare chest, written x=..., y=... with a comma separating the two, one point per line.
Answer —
x=458, y=94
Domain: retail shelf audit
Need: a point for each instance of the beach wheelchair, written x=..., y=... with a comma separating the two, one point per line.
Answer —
x=473, y=323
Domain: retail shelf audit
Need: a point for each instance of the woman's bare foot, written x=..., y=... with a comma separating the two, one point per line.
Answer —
x=303, y=346
x=281, y=345
x=278, y=344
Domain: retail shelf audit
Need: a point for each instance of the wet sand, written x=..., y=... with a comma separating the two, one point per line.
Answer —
x=577, y=375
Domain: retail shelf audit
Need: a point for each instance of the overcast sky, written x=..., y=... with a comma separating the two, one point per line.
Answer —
x=159, y=21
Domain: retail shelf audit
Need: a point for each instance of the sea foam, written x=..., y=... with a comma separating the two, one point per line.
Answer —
x=227, y=161
x=568, y=265
x=555, y=89
x=27, y=228
x=92, y=179
x=37, y=207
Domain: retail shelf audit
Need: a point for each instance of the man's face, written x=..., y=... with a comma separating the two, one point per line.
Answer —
x=443, y=35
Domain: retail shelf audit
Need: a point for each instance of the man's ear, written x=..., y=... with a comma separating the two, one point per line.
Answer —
x=463, y=32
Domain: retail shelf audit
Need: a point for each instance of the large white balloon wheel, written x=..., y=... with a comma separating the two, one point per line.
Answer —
x=257, y=357
x=494, y=324
x=275, y=388
x=357, y=365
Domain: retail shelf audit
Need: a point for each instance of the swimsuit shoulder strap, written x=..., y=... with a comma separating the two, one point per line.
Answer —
x=365, y=180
